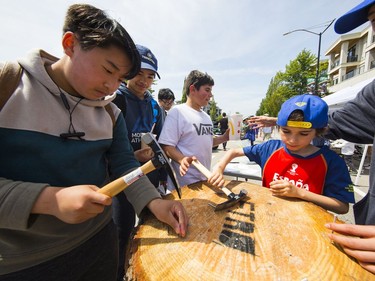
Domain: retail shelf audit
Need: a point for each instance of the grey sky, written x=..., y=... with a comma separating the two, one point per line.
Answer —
x=240, y=43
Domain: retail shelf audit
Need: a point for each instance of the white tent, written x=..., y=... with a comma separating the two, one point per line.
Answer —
x=338, y=99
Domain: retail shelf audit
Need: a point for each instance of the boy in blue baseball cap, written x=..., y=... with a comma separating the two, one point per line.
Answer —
x=354, y=122
x=292, y=166
x=142, y=114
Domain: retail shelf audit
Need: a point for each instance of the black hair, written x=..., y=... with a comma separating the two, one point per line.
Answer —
x=94, y=28
x=296, y=115
x=166, y=94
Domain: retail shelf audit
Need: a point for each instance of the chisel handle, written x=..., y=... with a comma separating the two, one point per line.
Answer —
x=207, y=173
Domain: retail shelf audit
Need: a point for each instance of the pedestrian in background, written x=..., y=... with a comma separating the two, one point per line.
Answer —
x=267, y=131
x=223, y=125
x=251, y=131
x=166, y=99
x=142, y=115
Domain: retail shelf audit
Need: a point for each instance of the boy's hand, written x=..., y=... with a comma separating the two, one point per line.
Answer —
x=172, y=213
x=226, y=135
x=283, y=188
x=144, y=154
x=73, y=204
x=217, y=178
x=185, y=164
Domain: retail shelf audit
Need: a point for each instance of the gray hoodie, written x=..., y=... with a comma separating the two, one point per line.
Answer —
x=33, y=156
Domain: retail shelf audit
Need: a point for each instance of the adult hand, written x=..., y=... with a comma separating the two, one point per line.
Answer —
x=144, y=154
x=357, y=241
x=172, y=213
x=263, y=121
x=73, y=204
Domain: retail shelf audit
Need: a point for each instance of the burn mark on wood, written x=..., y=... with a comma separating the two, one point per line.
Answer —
x=237, y=241
x=241, y=225
x=235, y=232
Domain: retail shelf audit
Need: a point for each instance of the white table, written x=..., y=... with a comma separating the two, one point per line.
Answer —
x=243, y=168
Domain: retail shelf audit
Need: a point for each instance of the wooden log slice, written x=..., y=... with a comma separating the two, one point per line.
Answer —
x=264, y=238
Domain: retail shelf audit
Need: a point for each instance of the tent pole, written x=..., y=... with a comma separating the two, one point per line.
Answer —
x=361, y=164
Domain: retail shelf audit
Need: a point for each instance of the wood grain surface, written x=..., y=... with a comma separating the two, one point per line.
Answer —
x=264, y=238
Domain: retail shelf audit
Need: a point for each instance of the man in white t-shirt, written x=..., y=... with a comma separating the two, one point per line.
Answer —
x=188, y=131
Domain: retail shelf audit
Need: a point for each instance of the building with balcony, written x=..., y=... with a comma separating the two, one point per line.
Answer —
x=351, y=59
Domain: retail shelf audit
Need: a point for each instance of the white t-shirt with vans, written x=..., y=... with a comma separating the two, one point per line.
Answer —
x=191, y=132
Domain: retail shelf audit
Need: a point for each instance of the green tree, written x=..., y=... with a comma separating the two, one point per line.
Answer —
x=276, y=94
x=184, y=95
x=213, y=109
x=299, y=70
x=293, y=81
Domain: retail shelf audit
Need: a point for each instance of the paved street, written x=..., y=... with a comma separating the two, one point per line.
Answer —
x=360, y=190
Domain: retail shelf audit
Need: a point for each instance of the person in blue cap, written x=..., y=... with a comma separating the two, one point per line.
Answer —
x=142, y=114
x=292, y=166
x=354, y=122
x=357, y=16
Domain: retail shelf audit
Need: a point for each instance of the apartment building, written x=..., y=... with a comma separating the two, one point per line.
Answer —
x=351, y=59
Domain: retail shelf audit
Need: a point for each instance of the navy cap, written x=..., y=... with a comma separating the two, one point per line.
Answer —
x=148, y=60
x=315, y=112
x=354, y=18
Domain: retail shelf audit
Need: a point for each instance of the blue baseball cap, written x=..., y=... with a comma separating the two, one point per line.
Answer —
x=315, y=112
x=148, y=60
x=354, y=18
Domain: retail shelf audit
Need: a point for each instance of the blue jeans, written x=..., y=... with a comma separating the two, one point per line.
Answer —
x=95, y=260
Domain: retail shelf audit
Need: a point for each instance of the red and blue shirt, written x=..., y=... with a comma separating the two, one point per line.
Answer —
x=323, y=172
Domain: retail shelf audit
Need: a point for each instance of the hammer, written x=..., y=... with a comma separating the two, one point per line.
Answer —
x=233, y=198
x=159, y=160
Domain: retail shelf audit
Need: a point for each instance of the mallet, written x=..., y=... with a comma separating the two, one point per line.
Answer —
x=233, y=198
x=159, y=160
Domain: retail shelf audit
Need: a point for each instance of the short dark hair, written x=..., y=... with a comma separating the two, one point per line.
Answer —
x=296, y=115
x=224, y=114
x=94, y=28
x=198, y=79
x=165, y=94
